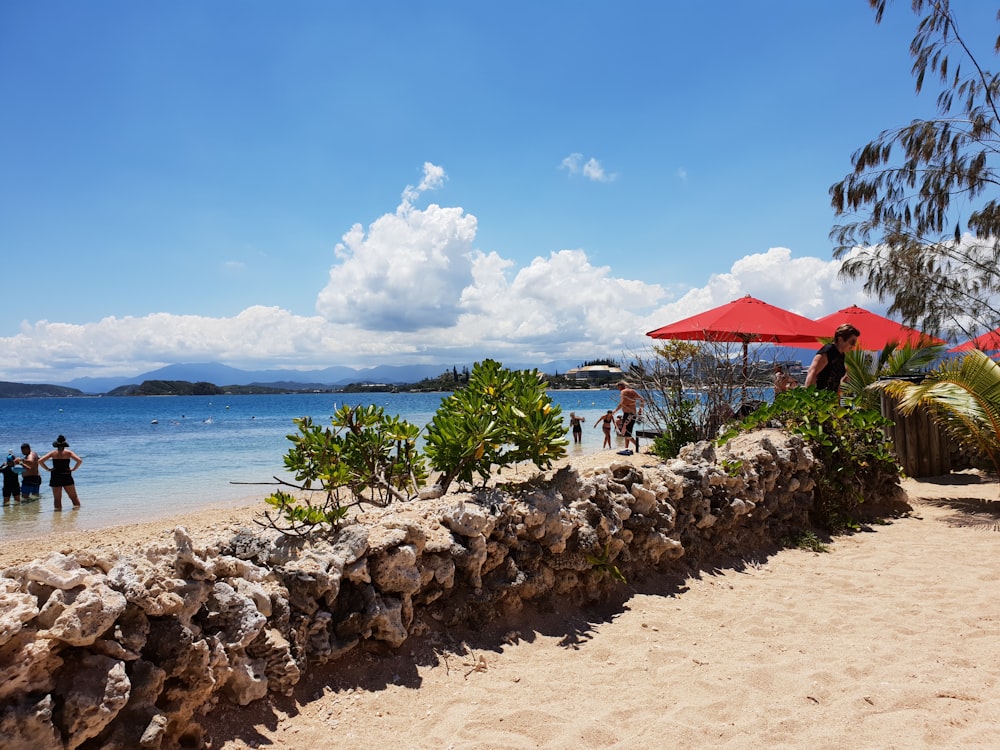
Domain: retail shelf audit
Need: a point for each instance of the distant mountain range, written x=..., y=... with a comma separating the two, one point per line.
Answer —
x=219, y=374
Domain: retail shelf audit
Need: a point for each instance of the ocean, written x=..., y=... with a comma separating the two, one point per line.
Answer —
x=151, y=457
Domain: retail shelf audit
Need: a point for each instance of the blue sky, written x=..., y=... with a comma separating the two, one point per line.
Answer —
x=309, y=184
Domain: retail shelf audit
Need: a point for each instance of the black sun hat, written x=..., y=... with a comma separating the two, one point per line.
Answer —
x=60, y=442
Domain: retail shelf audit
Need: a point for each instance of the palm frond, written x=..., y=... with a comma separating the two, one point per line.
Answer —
x=962, y=396
x=893, y=361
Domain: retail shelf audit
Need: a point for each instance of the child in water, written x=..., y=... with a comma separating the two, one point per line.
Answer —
x=606, y=421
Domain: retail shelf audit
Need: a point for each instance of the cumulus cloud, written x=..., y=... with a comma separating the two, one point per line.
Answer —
x=413, y=288
x=591, y=168
x=806, y=285
x=407, y=271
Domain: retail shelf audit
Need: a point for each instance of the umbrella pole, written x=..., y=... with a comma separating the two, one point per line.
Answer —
x=746, y=371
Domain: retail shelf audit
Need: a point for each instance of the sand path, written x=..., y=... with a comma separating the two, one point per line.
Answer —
x=889, y=640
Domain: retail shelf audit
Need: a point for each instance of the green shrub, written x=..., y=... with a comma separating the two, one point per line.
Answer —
x=500, y=417
x=849, y=445
x=363, y=457
x=679, y=429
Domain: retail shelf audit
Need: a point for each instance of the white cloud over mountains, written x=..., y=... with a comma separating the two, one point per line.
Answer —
x=413, y=288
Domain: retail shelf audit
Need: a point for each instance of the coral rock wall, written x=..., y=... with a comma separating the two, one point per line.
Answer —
x=127, y=650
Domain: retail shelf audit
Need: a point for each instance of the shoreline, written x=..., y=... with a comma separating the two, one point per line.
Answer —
x=219, y=515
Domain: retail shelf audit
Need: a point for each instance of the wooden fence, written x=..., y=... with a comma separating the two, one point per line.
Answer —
x=923, y=450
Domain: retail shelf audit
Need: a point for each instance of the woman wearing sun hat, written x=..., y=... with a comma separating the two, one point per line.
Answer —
x=61, y=471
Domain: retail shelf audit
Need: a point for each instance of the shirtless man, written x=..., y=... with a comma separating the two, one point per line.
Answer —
x=31, y=480
x=628, y=404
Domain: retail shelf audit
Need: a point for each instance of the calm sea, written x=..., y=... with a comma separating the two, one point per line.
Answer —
x=151, y=457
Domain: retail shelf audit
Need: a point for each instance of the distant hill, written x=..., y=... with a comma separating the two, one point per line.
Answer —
x=186, y=388
x=286, y=380
x=26, y=390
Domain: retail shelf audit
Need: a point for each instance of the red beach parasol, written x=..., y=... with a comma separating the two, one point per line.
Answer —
x=987, y=342
x=876, y=331
x=745, y=320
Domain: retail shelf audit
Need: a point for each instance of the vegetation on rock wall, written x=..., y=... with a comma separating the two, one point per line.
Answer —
x=853, y=457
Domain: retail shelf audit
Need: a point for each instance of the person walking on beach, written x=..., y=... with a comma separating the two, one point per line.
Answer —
x=828, y=368
x=31, y=480
x=606, y=421
x=631, y=404
x=576, y=425
x=61, y=472
x=11, y=488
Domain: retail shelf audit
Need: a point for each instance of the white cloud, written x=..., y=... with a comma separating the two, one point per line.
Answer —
x=808, y=286
x=591, y=168
x=407, y=272
x=413, y=288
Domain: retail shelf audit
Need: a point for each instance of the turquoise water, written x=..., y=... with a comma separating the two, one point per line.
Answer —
x=150, y=457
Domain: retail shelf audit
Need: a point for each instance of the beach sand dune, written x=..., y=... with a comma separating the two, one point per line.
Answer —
x=890, y=640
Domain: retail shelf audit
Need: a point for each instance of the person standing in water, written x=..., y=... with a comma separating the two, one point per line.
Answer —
x=61, y=471
x=10, y=480
x=576, y=424
x=606, y=421
x=631, y=404
x=31, y=480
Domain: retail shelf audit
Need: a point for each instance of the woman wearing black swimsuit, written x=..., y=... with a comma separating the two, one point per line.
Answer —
x=61, y=471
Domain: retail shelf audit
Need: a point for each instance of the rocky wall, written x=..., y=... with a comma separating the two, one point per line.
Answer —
x=128, y=650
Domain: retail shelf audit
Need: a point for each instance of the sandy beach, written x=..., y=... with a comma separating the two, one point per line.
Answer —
x=888, y=640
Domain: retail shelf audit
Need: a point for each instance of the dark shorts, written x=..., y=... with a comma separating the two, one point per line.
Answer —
x=31, y=485
x=628, y=422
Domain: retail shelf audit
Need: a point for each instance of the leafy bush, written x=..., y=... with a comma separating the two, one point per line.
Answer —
x=849, y=445
x=678, y=429
x=501, y=417
x=363, y=456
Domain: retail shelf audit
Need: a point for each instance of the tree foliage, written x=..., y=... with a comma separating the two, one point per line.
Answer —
x=501, y=417
x=921, y=219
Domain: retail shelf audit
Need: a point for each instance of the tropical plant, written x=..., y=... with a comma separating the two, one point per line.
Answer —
x=924, y=221
x=501, y=417
x=852, y=455
x=691, y=389
x=963, y=397
x=363, y=457
x=893, y=361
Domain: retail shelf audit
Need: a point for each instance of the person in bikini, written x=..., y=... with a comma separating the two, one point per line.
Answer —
x=606, y=421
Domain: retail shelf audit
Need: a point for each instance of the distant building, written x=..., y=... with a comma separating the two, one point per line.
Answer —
x=595, y=373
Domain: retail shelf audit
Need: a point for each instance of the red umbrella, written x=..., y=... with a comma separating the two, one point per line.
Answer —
x=986, y=342
x=876, y=330
x=745, y=320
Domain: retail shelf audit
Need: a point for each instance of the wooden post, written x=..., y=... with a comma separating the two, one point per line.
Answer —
x=921, y=448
